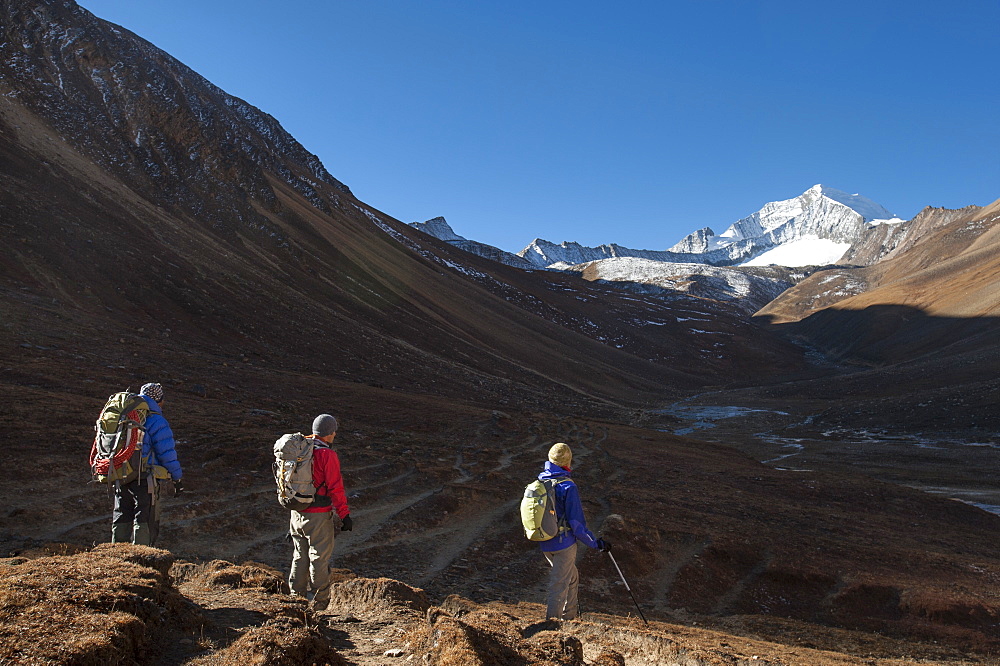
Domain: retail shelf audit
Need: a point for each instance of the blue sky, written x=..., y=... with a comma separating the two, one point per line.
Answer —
x=634, y=122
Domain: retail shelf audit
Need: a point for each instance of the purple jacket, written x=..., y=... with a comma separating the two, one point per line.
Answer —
x=569, y=510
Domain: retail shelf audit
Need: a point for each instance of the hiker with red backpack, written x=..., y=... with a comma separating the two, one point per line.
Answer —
x=560, y=550
x=136, y=515
x=315, y=508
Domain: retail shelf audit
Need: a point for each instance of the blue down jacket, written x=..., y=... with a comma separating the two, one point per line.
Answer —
x=158, y=444
x=568, y=507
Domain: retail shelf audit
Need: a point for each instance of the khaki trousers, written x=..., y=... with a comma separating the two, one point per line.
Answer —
x=312, y=539
x=564, y=581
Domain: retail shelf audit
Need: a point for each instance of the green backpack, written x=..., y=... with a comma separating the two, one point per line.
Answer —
x=116, y=454
x=538, y=510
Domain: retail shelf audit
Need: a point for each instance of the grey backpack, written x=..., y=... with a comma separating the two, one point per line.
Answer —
x=293, y=456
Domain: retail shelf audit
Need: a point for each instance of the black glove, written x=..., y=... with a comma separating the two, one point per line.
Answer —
x=178, y=487
x=603, y=546
x=346, y=525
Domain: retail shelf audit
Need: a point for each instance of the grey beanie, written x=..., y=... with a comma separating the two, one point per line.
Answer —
x=324, y=425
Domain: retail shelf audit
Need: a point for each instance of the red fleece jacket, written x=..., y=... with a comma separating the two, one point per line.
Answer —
x=326, y=470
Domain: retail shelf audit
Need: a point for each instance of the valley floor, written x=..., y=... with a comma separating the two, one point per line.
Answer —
x=800, y=436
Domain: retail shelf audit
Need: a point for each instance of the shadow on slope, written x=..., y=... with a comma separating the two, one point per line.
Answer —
x=904, y=368
x=887, y=334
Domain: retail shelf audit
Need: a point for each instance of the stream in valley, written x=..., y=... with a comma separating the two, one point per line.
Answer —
x=955, y=467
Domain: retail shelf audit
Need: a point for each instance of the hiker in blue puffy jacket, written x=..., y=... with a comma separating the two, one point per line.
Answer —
x=136, y=516
x=560, y=551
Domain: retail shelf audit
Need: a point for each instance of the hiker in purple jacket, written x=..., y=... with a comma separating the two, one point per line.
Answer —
x=560, y=551
x=136, y=515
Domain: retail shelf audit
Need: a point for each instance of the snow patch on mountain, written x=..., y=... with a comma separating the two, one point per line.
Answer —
x=544, y=254
x=749, y=264
x=808, y=251
x=820, y=213
x=750, y=289
x=863, y=205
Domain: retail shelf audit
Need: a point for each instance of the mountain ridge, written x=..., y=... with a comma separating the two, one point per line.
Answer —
x=821, y=212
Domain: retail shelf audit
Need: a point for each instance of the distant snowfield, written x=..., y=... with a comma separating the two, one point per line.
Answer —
x=807, y=251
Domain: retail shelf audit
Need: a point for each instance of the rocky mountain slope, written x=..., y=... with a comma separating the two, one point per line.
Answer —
x=912, y=338
x=439, y=228
x=945, y=266
x=925, y=318
x=224, y=234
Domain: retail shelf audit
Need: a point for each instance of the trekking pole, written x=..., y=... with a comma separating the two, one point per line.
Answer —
x=613, y=561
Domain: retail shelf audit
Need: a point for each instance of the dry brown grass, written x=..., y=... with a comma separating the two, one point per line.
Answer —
x=99, y=607
x=489, y=637
x=378, y=595
x=222, y=574
x=279, y=642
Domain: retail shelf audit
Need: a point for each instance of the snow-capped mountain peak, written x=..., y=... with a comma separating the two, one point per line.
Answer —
x=862, y=205
x=817, y=227
x=439, y=228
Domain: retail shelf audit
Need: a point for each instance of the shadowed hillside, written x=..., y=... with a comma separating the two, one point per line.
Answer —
x=135, y=191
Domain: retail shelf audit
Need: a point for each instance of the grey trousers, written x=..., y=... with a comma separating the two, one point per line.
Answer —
x=312, y=540
x=564, y=580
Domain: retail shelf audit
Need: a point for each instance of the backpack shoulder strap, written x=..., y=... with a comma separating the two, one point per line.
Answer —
x=320, y=444
x=551, y=486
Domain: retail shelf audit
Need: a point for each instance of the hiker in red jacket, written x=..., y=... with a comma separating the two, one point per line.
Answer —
x=312, y=530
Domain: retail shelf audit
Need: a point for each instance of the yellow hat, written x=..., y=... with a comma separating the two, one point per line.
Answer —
x=560, y=454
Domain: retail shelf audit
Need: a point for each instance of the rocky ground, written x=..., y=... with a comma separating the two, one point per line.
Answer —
x=132, y=604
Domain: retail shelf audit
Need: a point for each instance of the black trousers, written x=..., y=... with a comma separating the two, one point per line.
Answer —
x=136, y=515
